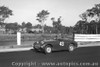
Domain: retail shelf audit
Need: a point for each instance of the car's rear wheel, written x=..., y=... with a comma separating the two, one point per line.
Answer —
x=71, y=47
x=48, y=49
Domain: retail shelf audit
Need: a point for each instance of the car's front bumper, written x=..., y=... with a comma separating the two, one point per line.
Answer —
x=38, y=47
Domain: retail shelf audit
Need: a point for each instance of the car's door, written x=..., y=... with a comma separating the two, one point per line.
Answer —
x=59, y=44
x=62, y=44
x=56, y=45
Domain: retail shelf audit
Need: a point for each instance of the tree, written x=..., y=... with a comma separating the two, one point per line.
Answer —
x=28, y=26
x=37, y=26
x=48, y=29
x=57, y=24
x=5, y=12
x=93, y=27
x=42, y=17
x=92, y=17
x=81, y=27
x=12, y=27
x=84, y=16
x=95, y=13
x=23, y=25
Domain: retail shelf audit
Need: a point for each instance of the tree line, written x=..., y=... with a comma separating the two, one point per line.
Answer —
x=89, y=23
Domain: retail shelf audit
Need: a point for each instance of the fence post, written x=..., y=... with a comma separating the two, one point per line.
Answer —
x=73, y=35
x=18, y=38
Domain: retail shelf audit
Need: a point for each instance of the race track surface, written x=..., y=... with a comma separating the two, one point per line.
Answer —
x=81, y=57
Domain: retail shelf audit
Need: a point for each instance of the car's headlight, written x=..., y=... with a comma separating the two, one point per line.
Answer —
x=42, y=42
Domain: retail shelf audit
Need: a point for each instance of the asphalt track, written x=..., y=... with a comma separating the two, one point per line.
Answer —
x=81, y=57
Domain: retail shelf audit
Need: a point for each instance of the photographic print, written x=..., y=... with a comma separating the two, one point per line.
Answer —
x=49, y=33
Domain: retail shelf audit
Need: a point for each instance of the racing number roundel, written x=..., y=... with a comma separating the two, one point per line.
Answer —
x=61, y=43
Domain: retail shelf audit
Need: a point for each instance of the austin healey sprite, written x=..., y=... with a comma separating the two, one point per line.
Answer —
x=50, y=45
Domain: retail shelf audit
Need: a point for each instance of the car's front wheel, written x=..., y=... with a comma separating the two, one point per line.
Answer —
x=71, y=47
x=48, y=49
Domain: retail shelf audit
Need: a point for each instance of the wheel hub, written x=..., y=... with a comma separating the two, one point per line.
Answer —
x=71, y=48
x=48, y=49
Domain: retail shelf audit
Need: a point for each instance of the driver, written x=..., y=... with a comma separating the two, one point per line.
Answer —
x=58, y=37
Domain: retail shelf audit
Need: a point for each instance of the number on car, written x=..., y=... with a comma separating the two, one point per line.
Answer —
x=61, y=43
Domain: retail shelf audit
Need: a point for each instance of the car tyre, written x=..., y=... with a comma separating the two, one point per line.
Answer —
x=71, y=47
x=35, y=49
x=48, y=49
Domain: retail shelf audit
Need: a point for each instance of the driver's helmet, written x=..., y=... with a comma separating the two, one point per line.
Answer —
x=58, y=37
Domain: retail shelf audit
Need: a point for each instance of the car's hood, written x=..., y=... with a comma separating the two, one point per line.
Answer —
x=49, y=40
x=43, y=41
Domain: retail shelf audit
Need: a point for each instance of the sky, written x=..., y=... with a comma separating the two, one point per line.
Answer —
x=27, y=10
